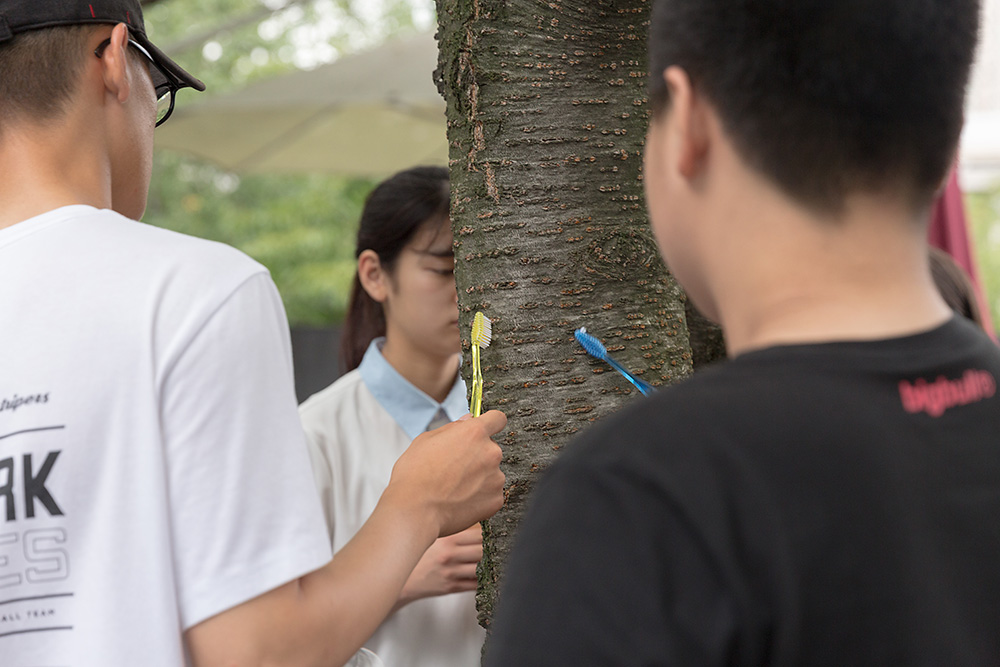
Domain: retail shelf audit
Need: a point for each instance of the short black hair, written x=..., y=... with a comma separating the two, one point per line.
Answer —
x=827, y=97
x=40, y=71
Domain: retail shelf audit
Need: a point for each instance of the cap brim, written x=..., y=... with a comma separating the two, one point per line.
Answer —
x=182, y=77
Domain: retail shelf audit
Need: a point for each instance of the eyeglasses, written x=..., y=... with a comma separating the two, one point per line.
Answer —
x=163, y=85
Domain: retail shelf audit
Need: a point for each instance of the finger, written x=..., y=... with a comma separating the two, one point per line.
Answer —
x=462, y=585
x=464, y=418
x=471, y=535
x=493, y=421
x=465, y=555
x=463, y=573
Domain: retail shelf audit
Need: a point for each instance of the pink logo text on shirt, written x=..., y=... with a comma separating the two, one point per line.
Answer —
x=942, y=394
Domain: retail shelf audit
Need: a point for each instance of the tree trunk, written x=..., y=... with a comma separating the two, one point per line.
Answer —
x=546, y=120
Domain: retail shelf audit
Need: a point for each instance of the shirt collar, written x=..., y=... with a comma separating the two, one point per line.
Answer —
x=412, y=409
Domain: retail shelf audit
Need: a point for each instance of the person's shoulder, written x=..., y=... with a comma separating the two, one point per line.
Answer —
x=695, y=442
x=679, y=415
x=344, y=393
x=131, y=240
x=967, y=336
x=690, y=450
x=182, y=273
x=344, y=417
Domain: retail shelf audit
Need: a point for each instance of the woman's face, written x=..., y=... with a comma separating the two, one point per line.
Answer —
x=422, y=305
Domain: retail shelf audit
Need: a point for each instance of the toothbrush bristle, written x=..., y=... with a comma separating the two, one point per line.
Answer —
x=591, y=344
x=487, y=335
x=482, y=330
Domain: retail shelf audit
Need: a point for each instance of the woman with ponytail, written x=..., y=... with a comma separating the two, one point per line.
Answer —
x=401, y=345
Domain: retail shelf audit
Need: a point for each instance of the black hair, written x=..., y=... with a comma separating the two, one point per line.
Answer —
x=827, y=97
x=955, y=285
x=40, y=70
x=394, y=212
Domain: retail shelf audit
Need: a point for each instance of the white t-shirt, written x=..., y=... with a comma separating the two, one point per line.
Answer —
x=153, y=471
x=357, y=428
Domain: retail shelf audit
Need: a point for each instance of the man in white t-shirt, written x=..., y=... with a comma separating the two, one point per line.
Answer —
x=156, y=499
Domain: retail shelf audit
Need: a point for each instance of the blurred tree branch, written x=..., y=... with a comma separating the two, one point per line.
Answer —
x=255, y=16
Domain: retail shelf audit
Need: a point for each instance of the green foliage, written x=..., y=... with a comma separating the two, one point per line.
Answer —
x=301, y=227
x=228, y=43
x=983, y=210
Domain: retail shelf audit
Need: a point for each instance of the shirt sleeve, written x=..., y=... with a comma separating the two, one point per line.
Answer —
x=245, y=515
x=605, y=571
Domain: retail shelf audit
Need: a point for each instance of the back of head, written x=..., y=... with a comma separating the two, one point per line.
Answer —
x=394, y=212
x=827, y=98
x=39, y=72
x=43, y=45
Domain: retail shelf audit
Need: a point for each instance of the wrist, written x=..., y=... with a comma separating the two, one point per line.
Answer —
x=415, y=516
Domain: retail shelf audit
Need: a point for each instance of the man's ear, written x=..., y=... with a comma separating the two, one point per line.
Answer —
x=372, y=276
x=687, y=123
x=114, y=60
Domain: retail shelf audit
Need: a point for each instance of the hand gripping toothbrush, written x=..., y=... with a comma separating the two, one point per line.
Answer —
x=596, y=349
x=482, y=333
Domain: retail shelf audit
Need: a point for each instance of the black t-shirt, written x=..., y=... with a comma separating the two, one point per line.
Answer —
x=834, y=504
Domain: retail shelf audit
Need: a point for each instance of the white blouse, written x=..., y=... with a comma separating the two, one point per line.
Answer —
x=357, y=428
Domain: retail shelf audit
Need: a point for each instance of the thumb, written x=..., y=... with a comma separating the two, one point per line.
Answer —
x=493, y=421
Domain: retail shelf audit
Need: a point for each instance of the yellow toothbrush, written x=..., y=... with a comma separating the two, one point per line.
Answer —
x=482, y=333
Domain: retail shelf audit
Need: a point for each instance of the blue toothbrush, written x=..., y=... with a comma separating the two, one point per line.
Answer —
x=596, y=349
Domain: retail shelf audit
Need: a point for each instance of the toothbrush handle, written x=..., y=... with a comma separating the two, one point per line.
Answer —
x=476, y=403
x=644, y=387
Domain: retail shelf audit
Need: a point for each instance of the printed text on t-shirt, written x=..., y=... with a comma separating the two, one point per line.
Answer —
x=15, y=401
x=942, y=394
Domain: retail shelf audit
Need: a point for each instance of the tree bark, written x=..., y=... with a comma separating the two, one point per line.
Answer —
x=547, y=116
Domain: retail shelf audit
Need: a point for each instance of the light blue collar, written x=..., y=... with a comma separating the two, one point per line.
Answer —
x=412, y=409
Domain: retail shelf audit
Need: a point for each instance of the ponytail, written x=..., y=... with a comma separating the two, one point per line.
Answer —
x=364, y=323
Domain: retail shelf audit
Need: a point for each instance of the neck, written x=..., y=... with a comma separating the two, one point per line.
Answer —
x=49, y=166
x=793, y=277
x=431, y=374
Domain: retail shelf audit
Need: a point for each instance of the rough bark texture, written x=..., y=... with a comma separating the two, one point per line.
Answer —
x=546, y=121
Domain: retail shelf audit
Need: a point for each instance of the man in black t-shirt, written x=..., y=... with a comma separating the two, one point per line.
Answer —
x=830, y=495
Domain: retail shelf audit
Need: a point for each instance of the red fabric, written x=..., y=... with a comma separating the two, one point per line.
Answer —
x=949, y=231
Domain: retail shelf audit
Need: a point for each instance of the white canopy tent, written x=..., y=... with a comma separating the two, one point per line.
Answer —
x=379, y=111
x=368, y=114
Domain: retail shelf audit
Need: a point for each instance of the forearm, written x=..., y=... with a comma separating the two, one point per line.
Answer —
x=324, y=617
x=445, y=481
x=361, y=585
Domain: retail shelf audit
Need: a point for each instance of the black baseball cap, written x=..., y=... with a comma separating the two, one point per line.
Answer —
x=17, y=16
